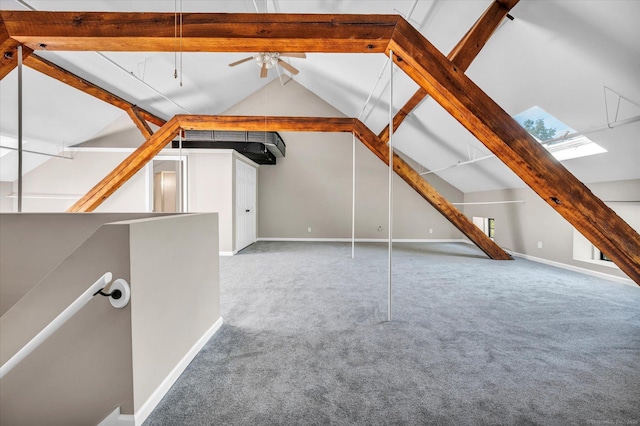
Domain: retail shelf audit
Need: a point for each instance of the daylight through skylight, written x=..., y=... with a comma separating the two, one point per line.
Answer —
x=558, y=138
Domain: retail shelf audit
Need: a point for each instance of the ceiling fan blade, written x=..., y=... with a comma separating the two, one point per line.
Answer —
x=263, y=70
x=241, y=61
x=288, y=67
x=293, y=55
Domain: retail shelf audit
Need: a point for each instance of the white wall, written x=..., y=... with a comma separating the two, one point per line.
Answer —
x=6, y=204
x=312, y=185
x=521, y=226
x=33, y=244
x=174, y=291
x=59, y=183
x=210, y=183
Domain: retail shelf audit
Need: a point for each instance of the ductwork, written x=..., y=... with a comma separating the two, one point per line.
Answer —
x=261, y=147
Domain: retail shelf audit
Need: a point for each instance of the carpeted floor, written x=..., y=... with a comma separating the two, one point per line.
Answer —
x=472, y=342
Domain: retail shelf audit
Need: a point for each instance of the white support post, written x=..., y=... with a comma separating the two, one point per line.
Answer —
x=353, y=201
x=180, y=183
x=19, y=128
x=390, y=184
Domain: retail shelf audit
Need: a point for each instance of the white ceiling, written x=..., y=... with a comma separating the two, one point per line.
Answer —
x=557, y=54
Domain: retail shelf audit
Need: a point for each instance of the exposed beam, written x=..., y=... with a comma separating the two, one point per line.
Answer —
x=474, y=40
x=478, y=113
x=141, y=156
x=429, y=193
x=125, y=170
x=149, y=149
x=201, y=32
x=141, y=124
x=52, y=70
x=9, y=51
x=265, y=123
x=443, y=80
x=462, y=54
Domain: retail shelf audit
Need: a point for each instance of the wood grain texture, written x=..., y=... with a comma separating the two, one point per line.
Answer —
x=141, y=124
x=52, y=70
x=462, y=54
x=475, y=39
x=9, y=52
x=429, y=193
x=509, y=4
x=265, y=123
x=201, y=32
x=451, y=88
x=125, y=170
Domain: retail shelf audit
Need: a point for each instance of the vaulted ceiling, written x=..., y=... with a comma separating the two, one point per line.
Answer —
x=556, y=54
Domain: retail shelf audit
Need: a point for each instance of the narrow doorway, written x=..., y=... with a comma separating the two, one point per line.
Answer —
x=166, y=193
x=245, y=205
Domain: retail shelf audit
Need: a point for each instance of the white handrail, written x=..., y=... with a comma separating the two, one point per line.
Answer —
x=46, y=332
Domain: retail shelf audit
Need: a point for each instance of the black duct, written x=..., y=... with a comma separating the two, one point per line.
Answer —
x=261, y=147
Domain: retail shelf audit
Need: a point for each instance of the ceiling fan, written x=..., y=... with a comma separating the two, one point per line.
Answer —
x=268, y=60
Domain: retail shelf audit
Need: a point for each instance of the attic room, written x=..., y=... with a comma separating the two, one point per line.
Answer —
x=493, y=253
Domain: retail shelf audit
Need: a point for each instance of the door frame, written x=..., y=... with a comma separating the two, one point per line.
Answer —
x=148, y=171
x=237, y=246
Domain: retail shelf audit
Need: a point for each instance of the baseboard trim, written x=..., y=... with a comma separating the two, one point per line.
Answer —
x=573, y=268
x=364, y=240
x=117, y=419
x=155, y=398
x=227, y=253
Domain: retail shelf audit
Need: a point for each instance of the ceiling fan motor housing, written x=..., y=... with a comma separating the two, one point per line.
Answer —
x=269, y=59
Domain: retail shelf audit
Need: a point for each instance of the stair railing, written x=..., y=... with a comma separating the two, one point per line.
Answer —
x=119, y=296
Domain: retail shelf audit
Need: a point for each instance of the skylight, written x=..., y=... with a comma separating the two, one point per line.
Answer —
x=560, y=140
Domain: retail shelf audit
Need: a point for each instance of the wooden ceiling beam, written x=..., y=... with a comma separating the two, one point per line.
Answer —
x=429, y=193
x=509, y=4
x=440, y=78
x=462, y=54
x=9, y=51
x=446, y=83
x=475, y=39
x=141, y=124
x=201, y=32
x=156, y=142
x=265, y=123
x=125, y=170
x=54, y=71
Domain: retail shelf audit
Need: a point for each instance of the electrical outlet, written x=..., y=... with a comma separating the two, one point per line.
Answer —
x=309, y=229
x=431, y=230
x=380, y=228
x=539, y=244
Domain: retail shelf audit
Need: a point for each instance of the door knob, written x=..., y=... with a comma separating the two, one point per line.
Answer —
x=247, y=210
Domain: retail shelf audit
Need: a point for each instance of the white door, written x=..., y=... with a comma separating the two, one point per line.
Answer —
x=245, y=205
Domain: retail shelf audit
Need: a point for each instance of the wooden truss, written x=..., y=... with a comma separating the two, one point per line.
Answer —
x=439, y=77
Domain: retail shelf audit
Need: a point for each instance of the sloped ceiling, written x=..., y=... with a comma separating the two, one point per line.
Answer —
x=556, y=54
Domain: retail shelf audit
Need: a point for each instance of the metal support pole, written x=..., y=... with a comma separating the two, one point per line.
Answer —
x=19, y=128
x=390, y=184
x=353, y=201
x=180, y=181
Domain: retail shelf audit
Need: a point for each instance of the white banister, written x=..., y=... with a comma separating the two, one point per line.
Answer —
x=46, y=332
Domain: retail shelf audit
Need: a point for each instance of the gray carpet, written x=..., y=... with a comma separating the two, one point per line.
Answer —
x=473, y=342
